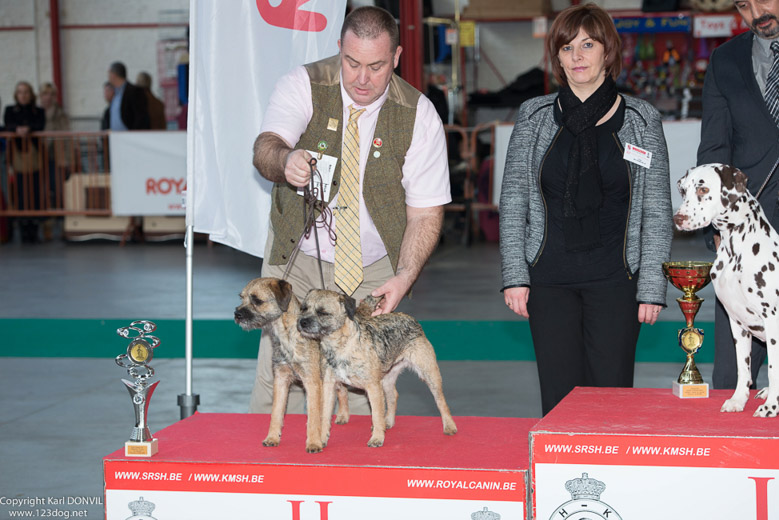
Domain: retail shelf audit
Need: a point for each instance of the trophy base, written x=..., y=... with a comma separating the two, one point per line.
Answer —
x=691, y=391
x=140, y=449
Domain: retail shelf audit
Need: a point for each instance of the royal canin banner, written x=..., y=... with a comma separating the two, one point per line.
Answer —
x=148, y=173
x=238, y=50
x=235, y=491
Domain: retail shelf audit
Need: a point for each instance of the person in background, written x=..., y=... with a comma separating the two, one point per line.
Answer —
x=740, y=127
x=156, y=107
x=5, y=225
x=108, y=95
x=128, y=109
x=59, y=151
x=23, y=118
x=56, y=119
x=585, y=224
x=389, y=185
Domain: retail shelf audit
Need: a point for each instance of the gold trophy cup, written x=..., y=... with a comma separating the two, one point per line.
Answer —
x=689, y=277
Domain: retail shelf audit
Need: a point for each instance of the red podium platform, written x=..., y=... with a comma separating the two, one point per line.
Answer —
x=644, y=454
x=214, y=466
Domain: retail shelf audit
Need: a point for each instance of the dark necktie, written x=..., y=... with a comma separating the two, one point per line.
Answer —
x=772, y=84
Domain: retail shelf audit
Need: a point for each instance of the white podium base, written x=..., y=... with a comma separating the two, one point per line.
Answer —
x=691, y=391
x=140, y=449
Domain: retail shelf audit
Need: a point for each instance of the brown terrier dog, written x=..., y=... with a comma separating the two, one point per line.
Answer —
x=370, y=352
x=269, y=304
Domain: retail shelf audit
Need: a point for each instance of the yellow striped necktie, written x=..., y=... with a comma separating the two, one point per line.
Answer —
x=348, y=251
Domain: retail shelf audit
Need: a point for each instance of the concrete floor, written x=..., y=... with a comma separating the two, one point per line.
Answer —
x=60, y=416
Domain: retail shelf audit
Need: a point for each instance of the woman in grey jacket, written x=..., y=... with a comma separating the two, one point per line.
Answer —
x=585, y=213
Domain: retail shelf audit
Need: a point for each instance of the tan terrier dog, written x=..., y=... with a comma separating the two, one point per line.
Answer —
x=269, y=304
x=370, y=352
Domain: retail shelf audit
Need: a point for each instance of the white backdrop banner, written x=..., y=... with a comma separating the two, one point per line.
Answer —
x=148, y=173
x=238, y=49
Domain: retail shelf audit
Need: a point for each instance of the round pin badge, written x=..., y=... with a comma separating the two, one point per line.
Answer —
x=377, y=142
x=322, y=146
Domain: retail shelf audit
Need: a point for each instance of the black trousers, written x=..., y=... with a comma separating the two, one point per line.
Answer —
x=725, y=375
x=583, y=337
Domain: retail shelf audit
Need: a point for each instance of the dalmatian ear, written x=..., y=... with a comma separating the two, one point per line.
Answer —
x=734, y=183
x=732, y=178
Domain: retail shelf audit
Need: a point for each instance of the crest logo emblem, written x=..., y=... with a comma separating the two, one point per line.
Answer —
x=485, y=514
x=142, y=509
x=585, y=501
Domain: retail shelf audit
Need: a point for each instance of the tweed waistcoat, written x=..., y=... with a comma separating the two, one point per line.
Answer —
x=382, y=190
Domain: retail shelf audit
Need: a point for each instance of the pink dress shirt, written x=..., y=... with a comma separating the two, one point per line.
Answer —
x=425, y=170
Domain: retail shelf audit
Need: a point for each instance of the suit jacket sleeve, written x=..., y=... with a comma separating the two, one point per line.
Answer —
x=656, y=222
x=716, y=124
x=514, y=205
x=716, y=131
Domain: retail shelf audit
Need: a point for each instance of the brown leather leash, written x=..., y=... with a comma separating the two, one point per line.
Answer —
x=313, y=200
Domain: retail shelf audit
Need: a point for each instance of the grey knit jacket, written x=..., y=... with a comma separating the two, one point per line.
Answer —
x=523, y=211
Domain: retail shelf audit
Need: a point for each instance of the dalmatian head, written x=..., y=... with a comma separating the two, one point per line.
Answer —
x=709, y=192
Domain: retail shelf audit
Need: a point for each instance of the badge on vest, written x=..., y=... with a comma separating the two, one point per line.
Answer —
x=326, y=167
x=637, y=155
x=332, y=124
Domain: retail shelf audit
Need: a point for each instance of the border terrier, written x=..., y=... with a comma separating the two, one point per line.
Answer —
x=269, y=304
x=370, y=352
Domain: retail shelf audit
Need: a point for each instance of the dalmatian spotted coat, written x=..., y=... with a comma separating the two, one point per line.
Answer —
x=745, y=274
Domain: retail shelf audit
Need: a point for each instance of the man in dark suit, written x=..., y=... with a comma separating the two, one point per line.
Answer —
x=738, y=129
x=128, y=109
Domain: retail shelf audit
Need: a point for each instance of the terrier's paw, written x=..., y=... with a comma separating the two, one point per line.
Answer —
x=314, y=447
x=376, y=442
x=271, y=442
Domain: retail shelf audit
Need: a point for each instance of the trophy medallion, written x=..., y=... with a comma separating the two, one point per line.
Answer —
x=689, y=277
x=136, y=360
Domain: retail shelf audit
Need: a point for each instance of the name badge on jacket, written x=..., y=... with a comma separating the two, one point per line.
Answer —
x=637, y=155
x=326, y=166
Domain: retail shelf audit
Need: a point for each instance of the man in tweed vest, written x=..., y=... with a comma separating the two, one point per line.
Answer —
x=403, y=174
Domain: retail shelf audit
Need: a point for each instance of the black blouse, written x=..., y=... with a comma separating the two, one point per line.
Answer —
x=602, y=266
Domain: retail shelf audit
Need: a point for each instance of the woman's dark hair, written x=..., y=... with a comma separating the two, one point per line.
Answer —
x=597, y=23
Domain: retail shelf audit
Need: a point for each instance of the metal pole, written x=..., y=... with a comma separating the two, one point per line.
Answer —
x=188, y=401
x=56, y=55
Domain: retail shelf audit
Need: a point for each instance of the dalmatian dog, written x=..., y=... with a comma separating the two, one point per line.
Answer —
x=745, y=274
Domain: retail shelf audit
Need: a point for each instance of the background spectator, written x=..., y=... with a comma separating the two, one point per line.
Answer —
x=108, y=95
x=23, y=118
x=56, y=119
x=128, y=109
x=59, y=151
x=156, y=107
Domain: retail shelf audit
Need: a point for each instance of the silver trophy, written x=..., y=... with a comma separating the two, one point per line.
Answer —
x=136, y=360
